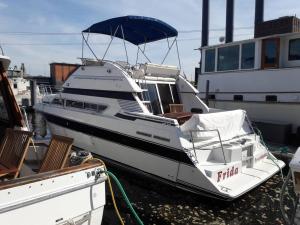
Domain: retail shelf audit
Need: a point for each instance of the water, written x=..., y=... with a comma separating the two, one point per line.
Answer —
x=157, y=203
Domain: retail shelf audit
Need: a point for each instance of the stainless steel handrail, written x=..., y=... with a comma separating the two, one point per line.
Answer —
x=219, y=136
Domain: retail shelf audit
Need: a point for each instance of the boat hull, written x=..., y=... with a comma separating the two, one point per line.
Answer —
x=54, y=198
x=182, y=175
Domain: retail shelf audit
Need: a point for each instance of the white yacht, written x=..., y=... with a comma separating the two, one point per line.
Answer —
x=21, y=86
x=148, y=118
x=259, y=75
x=71, y=195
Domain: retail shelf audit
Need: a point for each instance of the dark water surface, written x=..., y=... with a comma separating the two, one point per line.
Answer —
x=157, y=203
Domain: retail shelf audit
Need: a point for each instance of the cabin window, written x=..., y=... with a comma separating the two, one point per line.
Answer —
x=90, y=107
x=228, y=58
x=58, y=101
x=212, y=97
x=165, y=96
x=175, y=94
x=74, y=104
x=154, y=99
x=210, y=60
x=248, y=52
x=294, y=49
x=144, y=96
x=102, y=107
x=238, y=97
x=271, y=98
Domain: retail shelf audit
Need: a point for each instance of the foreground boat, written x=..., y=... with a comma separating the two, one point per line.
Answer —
x=148, y=118
x=68, y=195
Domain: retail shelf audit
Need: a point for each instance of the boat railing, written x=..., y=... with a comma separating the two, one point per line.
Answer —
x=48, y=89
x=192, y=132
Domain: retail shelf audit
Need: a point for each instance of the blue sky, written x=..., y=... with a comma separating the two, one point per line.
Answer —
x=72, y=16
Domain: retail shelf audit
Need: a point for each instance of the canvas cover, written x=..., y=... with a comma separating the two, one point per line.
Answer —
x=229, y=124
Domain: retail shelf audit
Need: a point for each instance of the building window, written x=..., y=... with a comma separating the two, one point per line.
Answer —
x=228, y=58
x=15, y=86
x=248, y=53
x=212, y=97
x=294, y=49
x=210, y=60
x=238, y=97
x=271, y=98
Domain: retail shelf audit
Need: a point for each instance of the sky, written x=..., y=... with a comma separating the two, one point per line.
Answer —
x=38, y=33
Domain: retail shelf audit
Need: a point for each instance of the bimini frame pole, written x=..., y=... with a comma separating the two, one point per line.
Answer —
x=169, y=49
x=144, y=52
x=124, y=43
x=112, y=37
x=178, y=55
x=87, y=44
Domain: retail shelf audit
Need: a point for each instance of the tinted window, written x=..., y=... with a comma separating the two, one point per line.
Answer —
x=210, y=60
x=74, y=104
x=270, y=51
x=228, y=58
x=248, y=52
x=294, y=49
x=144, y=96
x=271, y=98
x=90, y=106
x=58, y=101
x=175, y=94
x=154, y=99
x=101, y=107
x=238, y=97
x=165, y=96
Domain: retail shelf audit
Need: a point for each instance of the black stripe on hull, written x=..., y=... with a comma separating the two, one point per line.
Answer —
x=100, y=93
x=119, y=138
x=133, y=118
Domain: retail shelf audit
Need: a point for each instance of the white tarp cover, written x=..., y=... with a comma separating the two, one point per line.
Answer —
x=229, y=124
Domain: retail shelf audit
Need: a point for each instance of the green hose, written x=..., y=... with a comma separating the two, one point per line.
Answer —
x=125, y=196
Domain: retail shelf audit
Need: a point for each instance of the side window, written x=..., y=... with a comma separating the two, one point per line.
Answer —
x=248, y=54
x=74, y=104
x=154, y=99
x=175, y=94
x=210, y=55
x=294, y=49
x=90, y=107
x=228, y=58
x=58, y=101
x=165, y=96
x=101, y=108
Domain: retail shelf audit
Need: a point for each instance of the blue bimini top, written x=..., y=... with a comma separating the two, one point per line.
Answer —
x=137, y=29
